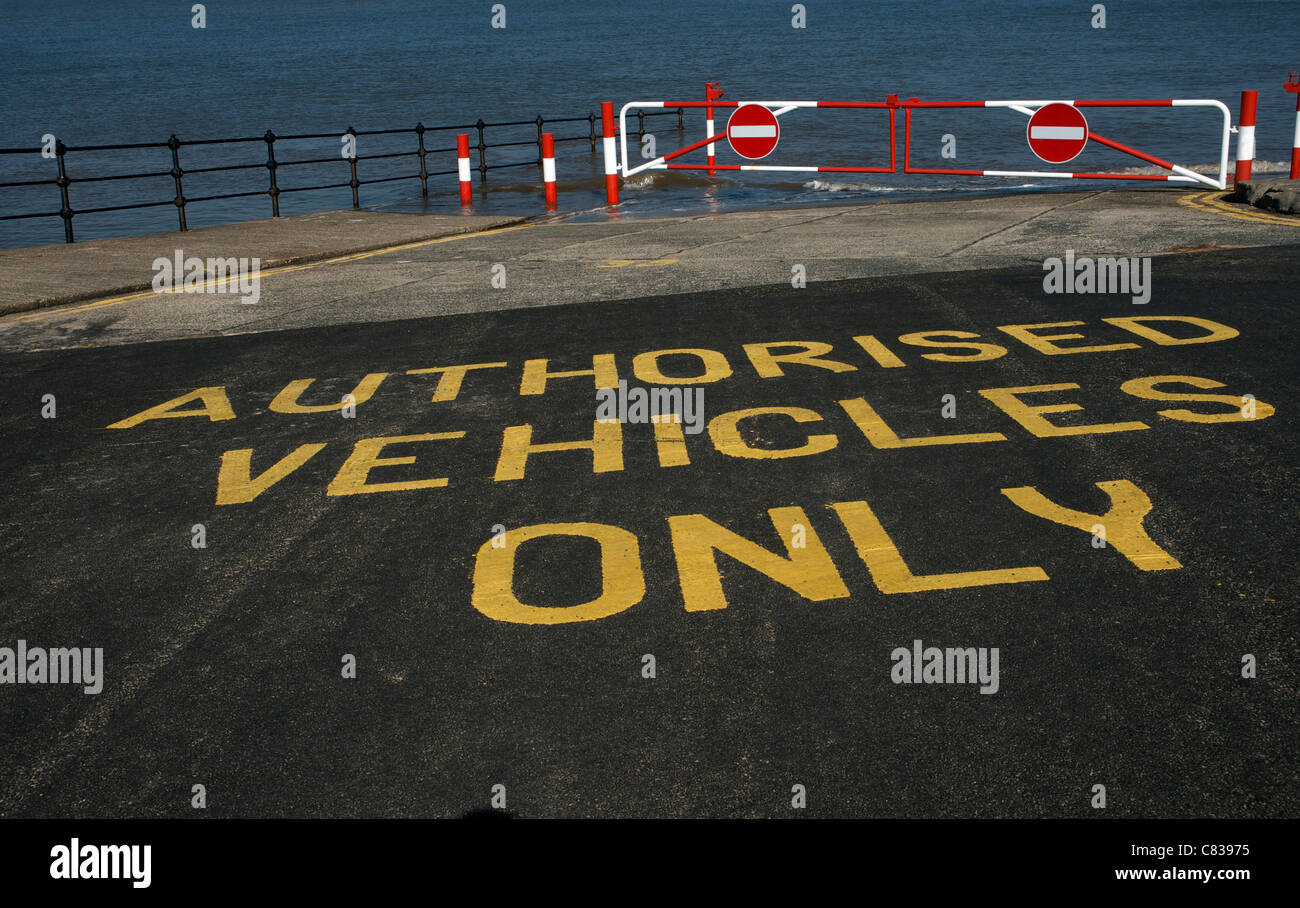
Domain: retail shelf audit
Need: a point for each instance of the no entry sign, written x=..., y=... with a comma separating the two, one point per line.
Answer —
x=753, y=131
x=1057, y=133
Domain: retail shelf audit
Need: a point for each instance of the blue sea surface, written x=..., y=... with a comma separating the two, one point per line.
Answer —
x=94, y=72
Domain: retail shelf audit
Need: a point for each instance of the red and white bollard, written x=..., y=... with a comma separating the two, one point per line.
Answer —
x=611, y=153
x=462, y=165
x=548, y=169
x=1294, y=86
x=1246, y=135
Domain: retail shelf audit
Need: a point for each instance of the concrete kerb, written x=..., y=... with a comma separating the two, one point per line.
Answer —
x=40, y=277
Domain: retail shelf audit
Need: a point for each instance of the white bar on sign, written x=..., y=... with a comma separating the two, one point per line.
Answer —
x=1056, y=132
x=1054, y=174
x=753, y=132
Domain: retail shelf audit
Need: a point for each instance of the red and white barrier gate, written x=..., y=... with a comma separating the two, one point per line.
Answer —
x=1057, y=132
x=778, y=109
x=1177, y=173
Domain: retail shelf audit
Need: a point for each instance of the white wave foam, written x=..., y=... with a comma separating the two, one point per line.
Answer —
x=836, y=186
x=640, y=181
x=1256, y=167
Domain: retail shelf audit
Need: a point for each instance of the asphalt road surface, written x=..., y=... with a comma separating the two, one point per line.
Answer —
x=233, y=553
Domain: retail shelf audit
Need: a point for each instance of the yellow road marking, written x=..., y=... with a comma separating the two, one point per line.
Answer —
x=1205, y=201
x=286, y=269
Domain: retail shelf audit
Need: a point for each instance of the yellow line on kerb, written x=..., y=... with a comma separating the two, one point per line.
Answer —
x=286, y=269
x=1204, y=201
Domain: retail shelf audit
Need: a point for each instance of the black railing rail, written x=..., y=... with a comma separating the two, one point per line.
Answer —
x=177, y=172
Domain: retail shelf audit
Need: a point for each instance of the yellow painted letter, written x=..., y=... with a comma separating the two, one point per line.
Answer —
x=1137, y=324
x=536, y=374
x=452, y=376
x=606, y=448
x=1043, y=342
x=808, y=571
x=981, y=352
x=351, y=478
x=725, y=432
x=622, y=583
x=1030, y=416
x=1145, y=388
x=768, y=364
x=216, y=407
x=645, y=366
x=881, y=436
x=892, y=574
x=235, y=482
x=287, y=400
x=1123, y=522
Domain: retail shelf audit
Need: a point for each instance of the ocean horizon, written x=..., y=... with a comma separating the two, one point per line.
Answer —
x=90, y=73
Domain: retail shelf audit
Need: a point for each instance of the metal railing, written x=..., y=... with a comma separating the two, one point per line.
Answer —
x=64, y=181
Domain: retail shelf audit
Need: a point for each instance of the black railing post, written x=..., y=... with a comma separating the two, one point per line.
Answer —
x=591, y=126
x=540, y=121
x=66, y=211
x=640, y=125
x=352, y=161
x=482, y=152
x=424, y=170
x=175, y=145
x=679, y=119
x=274, y=189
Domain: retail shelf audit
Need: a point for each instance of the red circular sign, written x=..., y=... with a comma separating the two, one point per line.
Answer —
x=1057, y=133
x=753, y=131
